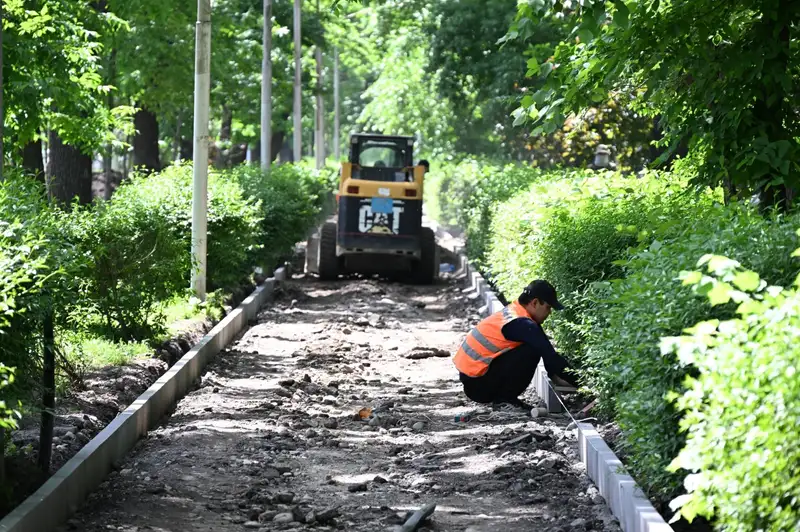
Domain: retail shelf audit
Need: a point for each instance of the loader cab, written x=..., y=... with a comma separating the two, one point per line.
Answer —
x=388, y=159
x=378, y=224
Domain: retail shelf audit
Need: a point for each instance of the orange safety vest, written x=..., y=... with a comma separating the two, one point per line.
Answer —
x=485, y=341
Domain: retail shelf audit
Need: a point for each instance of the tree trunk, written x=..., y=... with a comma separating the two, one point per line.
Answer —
x=187, y=149
x=227, y=124
x=237, y=155
x=222, y=159
x=108, y=179
x=2, y=457
x=48, y=395
x=176, y=143
x=126, y=159
x=276, y=142
x=32, y=160
x=775, y=114
x=145, y=141
x=70, y=172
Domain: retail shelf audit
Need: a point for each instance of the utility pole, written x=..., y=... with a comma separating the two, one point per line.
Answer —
x=319, y=133
x=298, y=117
x=202, y=88
x=266, y=90
x=337, y=150
x=319, y=126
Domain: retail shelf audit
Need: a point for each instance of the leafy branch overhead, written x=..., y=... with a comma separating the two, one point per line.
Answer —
x=718, y=75
x=52, y=73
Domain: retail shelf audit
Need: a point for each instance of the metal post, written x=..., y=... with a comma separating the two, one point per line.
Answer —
x=202, y=87
x=319, y=125
x=298, y=121
x=266, y=90
x=337, y=149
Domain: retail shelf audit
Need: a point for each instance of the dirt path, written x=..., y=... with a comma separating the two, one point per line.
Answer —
x=272, y=438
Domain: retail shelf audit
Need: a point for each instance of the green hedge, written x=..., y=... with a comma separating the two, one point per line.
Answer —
x=615, y=248
x=290, y=201
x=107, y=270
x=648, y=303
x=234, y=236
x=742, y=409
x=464, y=194
x=571, y=229
x=130, y=258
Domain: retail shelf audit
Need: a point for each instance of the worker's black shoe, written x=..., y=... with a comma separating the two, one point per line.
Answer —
x=515, y=402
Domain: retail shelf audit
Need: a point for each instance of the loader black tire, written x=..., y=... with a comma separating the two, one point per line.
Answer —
x=426, y=269
x=328, y=269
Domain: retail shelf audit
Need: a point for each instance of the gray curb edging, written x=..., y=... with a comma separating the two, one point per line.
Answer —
x=61, y=496
x=623, y=496
x=626, y=500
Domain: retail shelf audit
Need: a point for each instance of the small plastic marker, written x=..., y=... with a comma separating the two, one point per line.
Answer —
x=461, y=417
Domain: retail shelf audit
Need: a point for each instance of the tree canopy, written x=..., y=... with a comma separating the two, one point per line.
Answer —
x=719, y=76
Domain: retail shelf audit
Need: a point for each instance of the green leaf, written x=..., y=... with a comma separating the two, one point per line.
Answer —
x=722, y=265
x=585, y=35
x=533, y=66
x=527, y=100
x=720, y=294
x=783, y=148
x=747, y=281
x=692, y=277
x=751, y=306
x=621, y=14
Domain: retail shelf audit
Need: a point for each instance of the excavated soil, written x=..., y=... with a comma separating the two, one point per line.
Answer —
x=336, y=410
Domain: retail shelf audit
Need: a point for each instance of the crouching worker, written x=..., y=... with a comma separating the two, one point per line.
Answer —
x=499, y=356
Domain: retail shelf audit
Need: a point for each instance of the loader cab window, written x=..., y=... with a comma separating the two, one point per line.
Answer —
x=383, y=159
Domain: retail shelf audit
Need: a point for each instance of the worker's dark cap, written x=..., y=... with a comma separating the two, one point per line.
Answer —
x=543, y=291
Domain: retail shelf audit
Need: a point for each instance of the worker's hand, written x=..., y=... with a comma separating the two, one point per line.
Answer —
x=558, y=381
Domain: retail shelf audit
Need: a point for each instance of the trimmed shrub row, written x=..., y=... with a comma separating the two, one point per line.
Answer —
x=617, y=249
x=107, y=269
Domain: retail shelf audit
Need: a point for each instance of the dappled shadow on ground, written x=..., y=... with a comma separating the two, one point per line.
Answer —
x=273, y=436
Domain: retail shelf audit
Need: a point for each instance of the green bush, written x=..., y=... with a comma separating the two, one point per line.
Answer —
x=462, y=195
x=447, y=189
x=742, y=409
x=631, y=314
x=29, y=261
x=571, y=231
x=8, y=415
x=234, y=236
x=614, y=247
x=132, y=260
x=466, y=195
x=491, y=186
x=290, y=200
